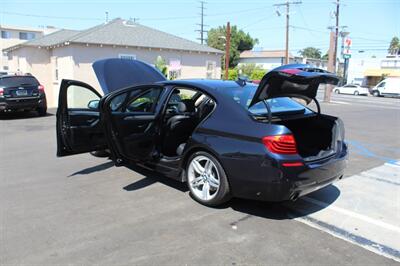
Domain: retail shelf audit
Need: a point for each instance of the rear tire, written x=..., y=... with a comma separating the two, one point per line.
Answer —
x=206, y=179
x=337, y=91
x=42, y=111
x=356, y=93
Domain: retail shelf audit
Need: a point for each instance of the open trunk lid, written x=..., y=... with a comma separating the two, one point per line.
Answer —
x=116, y=73
x=295, y=80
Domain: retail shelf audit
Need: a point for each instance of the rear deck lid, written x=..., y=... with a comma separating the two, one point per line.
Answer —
x=116, y=73
x=296, y=80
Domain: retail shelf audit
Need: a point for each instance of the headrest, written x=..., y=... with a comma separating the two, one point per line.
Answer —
x=181, y=107
x=189, y=105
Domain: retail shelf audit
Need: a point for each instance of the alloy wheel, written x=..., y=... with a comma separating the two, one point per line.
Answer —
x=203, y=178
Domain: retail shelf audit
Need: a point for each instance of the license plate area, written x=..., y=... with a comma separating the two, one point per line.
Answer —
x=21, y=92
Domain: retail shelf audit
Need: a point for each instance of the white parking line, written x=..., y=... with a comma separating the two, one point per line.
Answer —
x=353, y=214
x=364, y=209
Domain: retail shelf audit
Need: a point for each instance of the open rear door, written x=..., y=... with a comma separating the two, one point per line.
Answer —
x=78, y=119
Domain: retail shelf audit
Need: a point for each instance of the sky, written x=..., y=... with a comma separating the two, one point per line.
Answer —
x=371, y=24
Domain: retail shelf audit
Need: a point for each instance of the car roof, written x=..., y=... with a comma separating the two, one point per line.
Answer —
x=12, y=76
x=209, y=85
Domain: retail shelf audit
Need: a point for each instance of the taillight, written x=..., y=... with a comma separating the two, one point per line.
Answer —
x=280, y=144
x=41, y=88
x=1, y=92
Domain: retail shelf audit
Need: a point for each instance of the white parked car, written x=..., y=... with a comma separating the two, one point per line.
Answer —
x=387, y=87
x=352, y=89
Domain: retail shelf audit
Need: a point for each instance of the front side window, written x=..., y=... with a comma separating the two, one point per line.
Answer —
x=145, y=102
x=79, y=97
x=381, y=85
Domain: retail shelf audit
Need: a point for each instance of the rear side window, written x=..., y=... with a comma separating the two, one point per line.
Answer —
x=281, y=105
x=18, y=81
x=146, y=102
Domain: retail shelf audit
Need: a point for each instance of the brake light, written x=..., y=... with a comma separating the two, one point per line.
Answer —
x=41, y=88
x=280, y=144
x=1, y=92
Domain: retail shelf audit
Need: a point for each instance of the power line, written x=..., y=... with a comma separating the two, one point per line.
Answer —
x=52, y=17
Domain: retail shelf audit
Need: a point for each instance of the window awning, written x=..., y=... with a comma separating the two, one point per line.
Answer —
x=378, y=72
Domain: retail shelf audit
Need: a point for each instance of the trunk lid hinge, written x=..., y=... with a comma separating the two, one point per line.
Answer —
x=269, y=111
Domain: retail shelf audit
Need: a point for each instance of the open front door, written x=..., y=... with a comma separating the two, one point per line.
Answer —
x=78, y=119
x=131, y=121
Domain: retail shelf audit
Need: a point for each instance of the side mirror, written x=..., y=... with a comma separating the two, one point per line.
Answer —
x=93, y=105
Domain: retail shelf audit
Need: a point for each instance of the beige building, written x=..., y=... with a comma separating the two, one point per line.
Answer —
x=12, y=35
x=69, y=54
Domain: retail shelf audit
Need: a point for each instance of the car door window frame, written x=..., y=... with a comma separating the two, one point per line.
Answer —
x=129, y=100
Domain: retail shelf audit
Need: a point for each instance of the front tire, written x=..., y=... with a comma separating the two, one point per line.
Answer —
x=376, y=93
x=356, y=93
x=206, y=179
x=337, y=91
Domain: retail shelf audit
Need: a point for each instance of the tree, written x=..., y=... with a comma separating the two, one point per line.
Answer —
x=311, y=52
x=240, y=41
x=161, y=65
x=394, y=47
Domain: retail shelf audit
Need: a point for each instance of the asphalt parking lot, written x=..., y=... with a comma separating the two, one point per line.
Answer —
x=83, y=210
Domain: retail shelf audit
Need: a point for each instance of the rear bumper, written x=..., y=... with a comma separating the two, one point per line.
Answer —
x=13, y=104
x=278, y=183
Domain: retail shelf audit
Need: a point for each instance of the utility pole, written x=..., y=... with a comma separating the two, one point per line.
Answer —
x=332, y=58
x=287, y=4
x=201, y=30
x=336, y=34
x=106, y=16
x=227, y=49
x=331, y=66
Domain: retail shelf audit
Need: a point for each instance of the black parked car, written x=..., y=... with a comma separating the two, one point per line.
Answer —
x=223, y=138
x=22, y=92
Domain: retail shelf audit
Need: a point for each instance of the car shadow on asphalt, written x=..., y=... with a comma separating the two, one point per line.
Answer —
x=269, y=210
x=151, y=177
x=93, y=169
x=22, y=115
x=284, y=210
x=250, y=208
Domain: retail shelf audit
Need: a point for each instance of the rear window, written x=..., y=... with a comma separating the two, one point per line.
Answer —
x=281, y=105
x=18, y=81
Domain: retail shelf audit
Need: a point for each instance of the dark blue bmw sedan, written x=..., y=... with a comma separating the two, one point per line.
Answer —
x=223, y=138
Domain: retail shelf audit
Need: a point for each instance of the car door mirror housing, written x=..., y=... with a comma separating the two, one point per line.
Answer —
x=93, y=105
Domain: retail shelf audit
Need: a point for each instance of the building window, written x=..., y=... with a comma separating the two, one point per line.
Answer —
x=174, y=69
x=26, y=35
x=5, y=34
x=127, y=56
x=56, y=69
x=210, y=69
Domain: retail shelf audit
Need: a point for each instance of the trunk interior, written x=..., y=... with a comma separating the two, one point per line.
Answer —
x=315, y=136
